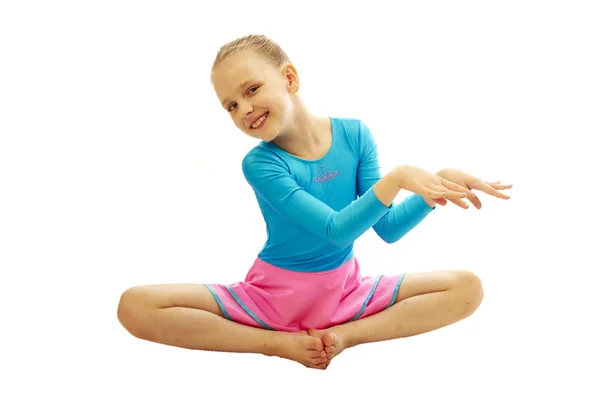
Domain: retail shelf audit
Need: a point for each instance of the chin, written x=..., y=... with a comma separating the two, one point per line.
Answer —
x=269, y=139
x=267, y=134
x=266, y=137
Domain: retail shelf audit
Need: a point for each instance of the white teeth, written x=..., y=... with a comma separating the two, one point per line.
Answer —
x=258, y=122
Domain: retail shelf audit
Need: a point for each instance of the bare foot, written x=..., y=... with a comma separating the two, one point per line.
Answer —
x=302, y=348
x=333, y=341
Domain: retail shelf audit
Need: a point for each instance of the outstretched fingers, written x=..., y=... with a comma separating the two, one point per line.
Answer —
x=433, y=198
x=455, y=193
x=497, y=185
x=492, y=188
x=476, y=202
x=444, y=190
x=461, y=203
x=455, y=190
x=437, y=193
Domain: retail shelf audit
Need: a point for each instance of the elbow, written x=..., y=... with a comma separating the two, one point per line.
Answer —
x=389, y=239
x=383, y=234
x=341, y=240
x=337, y=235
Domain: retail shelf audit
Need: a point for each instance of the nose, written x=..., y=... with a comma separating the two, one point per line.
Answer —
x=245, y=108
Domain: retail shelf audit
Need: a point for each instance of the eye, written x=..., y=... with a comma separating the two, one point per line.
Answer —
x=250, y=91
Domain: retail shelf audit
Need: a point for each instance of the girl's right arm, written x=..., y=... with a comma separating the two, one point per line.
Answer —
x=271, y=180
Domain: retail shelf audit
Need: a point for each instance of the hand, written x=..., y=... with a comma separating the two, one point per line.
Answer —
x=433, y=188
x=469, y=182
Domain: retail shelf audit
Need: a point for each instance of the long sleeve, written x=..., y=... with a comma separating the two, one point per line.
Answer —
x=272, y=181
x=402, y=217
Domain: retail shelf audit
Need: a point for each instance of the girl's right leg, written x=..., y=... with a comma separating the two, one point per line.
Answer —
x=187, y=316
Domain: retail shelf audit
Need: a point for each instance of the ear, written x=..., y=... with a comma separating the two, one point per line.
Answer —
x=291, y=78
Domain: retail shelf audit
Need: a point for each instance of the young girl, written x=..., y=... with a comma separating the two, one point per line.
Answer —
x=318, y=185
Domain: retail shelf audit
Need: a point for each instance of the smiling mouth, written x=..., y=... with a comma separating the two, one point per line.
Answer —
x=260, y=121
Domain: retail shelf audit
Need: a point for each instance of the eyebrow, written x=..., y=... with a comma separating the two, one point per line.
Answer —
x=245, y=83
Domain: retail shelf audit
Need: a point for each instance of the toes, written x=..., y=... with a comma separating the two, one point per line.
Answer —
x=315, y=344
x=330, y=352
x=319, y=361
x=321, y=367
x=316, y=366
x=323, y=345
x=317, y=354
x=328, y=339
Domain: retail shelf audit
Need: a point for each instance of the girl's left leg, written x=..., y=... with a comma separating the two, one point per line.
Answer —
x=425, y=302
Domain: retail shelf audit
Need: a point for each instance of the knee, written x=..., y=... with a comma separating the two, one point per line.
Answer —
x=469, y=289
x=132, y=311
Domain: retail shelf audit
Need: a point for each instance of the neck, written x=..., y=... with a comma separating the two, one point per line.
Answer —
x=307, y=136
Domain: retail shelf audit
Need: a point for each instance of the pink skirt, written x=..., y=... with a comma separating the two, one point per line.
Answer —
x=279, y=299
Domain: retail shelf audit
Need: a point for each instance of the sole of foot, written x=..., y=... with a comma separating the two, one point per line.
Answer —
x=332, y=340
x=303, y=348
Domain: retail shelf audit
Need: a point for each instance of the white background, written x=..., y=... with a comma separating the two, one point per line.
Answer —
x=118, y=168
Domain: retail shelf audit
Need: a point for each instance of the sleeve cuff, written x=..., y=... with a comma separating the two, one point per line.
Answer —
x=376, y=204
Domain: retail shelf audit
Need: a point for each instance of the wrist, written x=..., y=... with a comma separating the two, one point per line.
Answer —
x=398, y=175
x=387, y=188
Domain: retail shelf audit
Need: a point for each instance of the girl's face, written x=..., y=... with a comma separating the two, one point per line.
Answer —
x=256, y=94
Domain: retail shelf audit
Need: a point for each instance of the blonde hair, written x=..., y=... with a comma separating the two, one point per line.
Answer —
x=260, y=45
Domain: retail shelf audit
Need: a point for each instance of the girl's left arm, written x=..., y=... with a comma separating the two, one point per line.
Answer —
x=402, y=217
